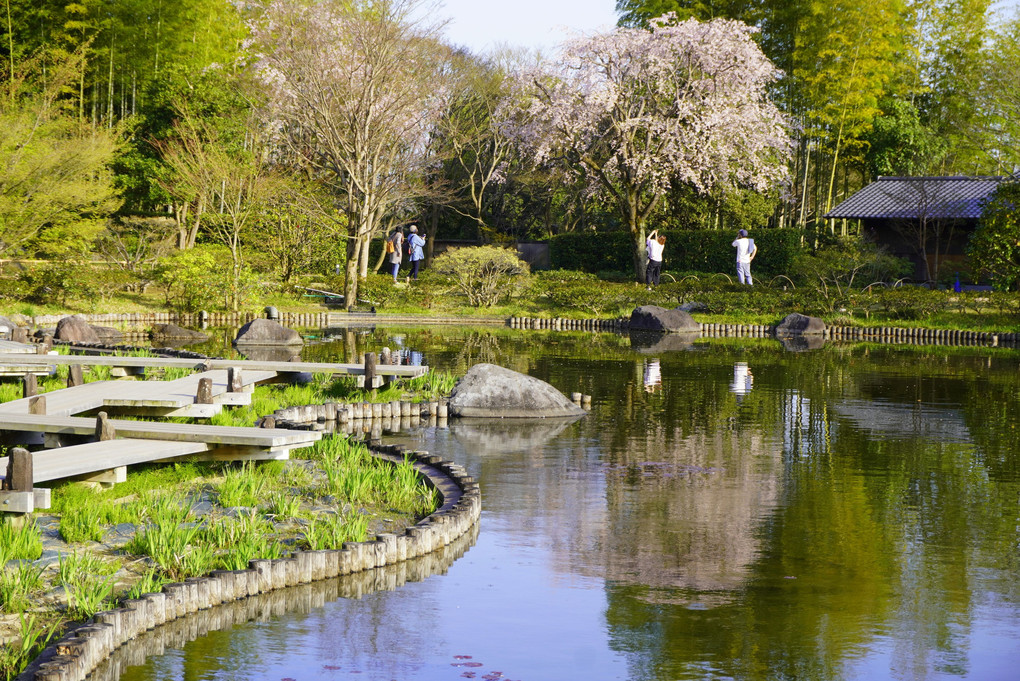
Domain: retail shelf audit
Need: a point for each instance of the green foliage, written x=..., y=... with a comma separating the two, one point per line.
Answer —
x=590, y=297
x=16, y=585
x=33, y=637
x=331, y=530
x=687, y=251
x=82, y=523
x=243, y=486
x=485, y=274
x=60, y=281
x=88, y=581
x=994, y=249
x=199, y=279
x=19, y=541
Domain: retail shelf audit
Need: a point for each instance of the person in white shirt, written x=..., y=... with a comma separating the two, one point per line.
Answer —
x=654, y=245
x=746, y=250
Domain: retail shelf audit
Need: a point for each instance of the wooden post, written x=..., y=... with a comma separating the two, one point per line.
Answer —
x=104, y=429
x=370, y=360
x=30, y=387
x=204, y=395
x=19, y=470
x=37, y=404
x=234, y=382
x=74, y=376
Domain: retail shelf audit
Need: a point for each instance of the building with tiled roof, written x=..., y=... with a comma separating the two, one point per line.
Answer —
x=926, y=219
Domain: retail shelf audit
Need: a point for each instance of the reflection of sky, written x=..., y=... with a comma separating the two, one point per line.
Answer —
x=896, y=419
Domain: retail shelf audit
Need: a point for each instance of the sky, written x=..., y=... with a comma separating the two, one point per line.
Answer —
x=481, y=25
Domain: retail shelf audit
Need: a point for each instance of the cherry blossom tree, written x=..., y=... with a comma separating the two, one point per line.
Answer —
x=637, y=111
x=354, y=90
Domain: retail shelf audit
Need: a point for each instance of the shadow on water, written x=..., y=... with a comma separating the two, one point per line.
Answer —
x=297, y=600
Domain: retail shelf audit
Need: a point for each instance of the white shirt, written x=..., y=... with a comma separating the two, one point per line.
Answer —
x=745, y=247
x=654, y=249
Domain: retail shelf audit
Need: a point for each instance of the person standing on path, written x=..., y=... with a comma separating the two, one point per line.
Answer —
x=654, y=245
x=746, y=250
x=416, y=254
x=395, y=247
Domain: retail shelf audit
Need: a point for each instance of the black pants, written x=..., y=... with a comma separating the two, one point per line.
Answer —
x=652, y=272
x=415, y=264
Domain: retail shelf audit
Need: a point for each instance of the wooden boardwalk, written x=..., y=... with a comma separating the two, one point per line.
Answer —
x=100, y=450
x=388, y=370
x=145, y=398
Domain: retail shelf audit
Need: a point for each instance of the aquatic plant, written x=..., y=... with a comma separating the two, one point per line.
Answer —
x=331, y=530
x=19, y=541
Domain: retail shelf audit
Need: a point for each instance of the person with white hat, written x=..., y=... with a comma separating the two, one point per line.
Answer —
x=746, y=250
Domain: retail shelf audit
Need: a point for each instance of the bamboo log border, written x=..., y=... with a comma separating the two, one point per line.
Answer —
x=876, y=334
x=76, y=654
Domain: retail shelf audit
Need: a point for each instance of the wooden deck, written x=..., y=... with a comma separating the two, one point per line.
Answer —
x=390, y=370
x=95, y=457
x=145, y=398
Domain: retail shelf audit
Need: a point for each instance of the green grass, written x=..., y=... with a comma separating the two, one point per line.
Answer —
x=245, y=485
x=88, y=581
x=34, y=636
x=19, y=541
x=17, y=584
x=330, y=531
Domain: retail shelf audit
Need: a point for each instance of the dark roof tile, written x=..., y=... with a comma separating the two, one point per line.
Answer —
x=916, y=197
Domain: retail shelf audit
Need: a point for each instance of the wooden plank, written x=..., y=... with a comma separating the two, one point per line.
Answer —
x=95, y=457
x=269, y=438
x=17, y=348
x=397, y=370
x=67, y=401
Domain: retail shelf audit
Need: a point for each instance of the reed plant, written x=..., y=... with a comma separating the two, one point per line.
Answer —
x=16, y=585
x=165, y=539
x=88, y=581
x=82, y=523
x=243, y=486
x=19, y=541
x=151, y=582
x=33, y=637
x=241, y=539
x=331, y=530
x=283, y=506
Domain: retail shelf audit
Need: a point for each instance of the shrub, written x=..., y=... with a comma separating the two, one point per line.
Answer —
x=191, y=279
x=485, y=274
x=994, y=248
x=686, y=250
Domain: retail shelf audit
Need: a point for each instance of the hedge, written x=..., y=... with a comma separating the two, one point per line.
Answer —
x=686, y=251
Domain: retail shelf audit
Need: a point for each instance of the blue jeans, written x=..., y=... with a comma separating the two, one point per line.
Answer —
x=396, y=269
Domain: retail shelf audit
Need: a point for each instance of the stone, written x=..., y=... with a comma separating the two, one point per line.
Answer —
x=655, y=318
x=491, y=391
x=174, y=332
x=266, y=332
x=75, y=329
x=800, y=325
x=6, y=327
x=692, y=306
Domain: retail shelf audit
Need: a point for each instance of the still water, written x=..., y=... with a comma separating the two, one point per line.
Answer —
x=728, y=510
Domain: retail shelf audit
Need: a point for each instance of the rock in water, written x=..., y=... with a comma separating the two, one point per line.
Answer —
x=266, y=332
x=75, y=329
x=655, y=318
x=797, y=324
x=491, y=391
x=175, y=332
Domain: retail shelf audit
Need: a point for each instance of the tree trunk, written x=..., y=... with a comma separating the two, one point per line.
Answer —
x=351, y=272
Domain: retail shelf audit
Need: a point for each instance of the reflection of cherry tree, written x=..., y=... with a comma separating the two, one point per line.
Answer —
x=635, y=112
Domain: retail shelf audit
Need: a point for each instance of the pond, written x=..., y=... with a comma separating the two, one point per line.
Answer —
x=728, y=509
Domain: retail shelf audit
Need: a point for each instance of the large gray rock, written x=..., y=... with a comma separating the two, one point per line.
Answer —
x=161, y=332
x=490, y=391
x=266, y=332
x=6, y=327
x=75, y=329
x=800, y=325
x=655, y=318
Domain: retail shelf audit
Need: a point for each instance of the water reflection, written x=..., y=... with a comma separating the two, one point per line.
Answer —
x=848, y=513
